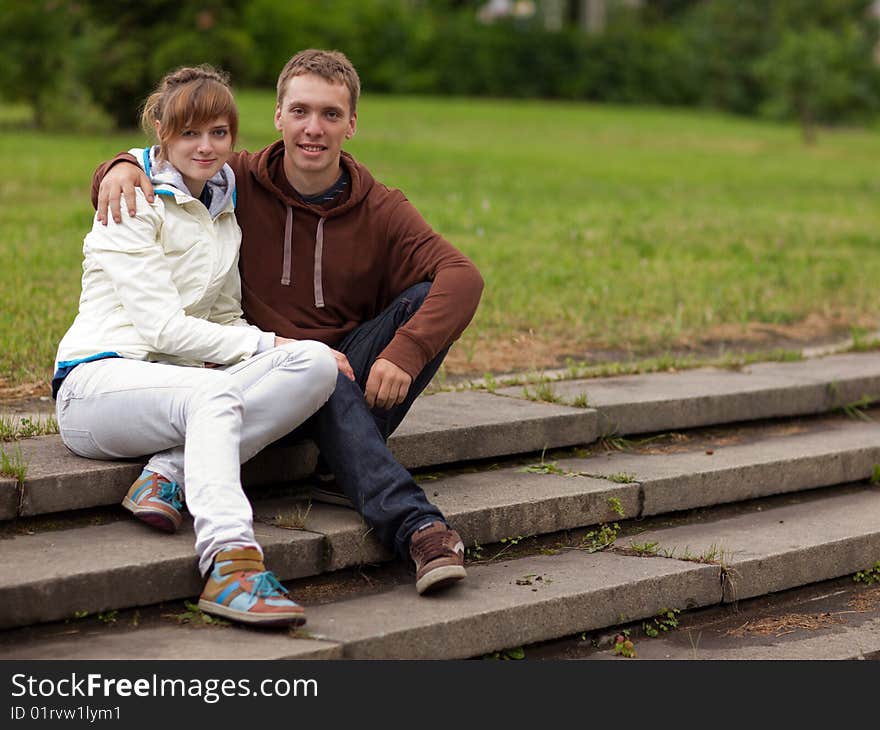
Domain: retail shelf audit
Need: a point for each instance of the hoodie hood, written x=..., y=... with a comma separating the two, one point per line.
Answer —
x=162, y=172
x=267, y=167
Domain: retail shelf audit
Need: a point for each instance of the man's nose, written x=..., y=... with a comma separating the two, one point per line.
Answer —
x=313, y=125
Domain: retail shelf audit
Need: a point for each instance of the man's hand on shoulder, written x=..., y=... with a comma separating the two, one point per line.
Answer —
x=120, y=182
x=387, y=385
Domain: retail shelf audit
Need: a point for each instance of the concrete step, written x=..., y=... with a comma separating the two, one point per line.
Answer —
x=717, y=557
x=439, y=429
x=835, y=619
x=453, y=427
x=633, y=404
x=55, y=573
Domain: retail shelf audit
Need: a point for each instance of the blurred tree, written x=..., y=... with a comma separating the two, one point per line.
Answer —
x=722, y=53
x=656, y=11
x=36, y=40
x=135, y=44
x=385, y=39
x=39, y=62
x=810, y=76
x=735, y=45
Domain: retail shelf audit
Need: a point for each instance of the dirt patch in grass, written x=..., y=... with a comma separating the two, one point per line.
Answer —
x=532, y=351
x=542, y=350
x=24, y=393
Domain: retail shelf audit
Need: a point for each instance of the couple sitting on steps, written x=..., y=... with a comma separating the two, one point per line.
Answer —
x=232, y=299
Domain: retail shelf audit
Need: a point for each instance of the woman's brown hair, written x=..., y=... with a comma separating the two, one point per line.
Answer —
x=189, y=97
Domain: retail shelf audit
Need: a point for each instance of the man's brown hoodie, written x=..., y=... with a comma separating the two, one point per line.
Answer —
x=312, y=271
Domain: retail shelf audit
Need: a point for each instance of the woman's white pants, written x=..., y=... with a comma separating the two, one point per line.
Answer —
x=200, y=424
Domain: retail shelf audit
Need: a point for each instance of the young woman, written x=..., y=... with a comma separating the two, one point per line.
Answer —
x=160, y=361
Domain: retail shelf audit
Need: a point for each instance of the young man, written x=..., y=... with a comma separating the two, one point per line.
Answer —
x=330, y=254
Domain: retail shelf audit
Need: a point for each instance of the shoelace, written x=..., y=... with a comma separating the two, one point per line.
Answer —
x=266, y=584
x=170, y=492
x=432, y=545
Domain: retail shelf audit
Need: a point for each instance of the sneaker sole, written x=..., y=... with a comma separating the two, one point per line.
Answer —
x=316, y=494
x=254, y=619
x=440, y=578
x=154, y=518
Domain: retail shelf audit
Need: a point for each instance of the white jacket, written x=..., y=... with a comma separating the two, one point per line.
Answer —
x=164, y=286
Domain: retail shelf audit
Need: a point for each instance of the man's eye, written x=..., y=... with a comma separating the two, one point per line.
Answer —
x=333, y=115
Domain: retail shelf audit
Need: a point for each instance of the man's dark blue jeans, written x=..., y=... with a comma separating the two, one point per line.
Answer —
x=352, y=438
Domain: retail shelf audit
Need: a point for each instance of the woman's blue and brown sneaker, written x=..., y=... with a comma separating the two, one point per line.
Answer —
x=155, y=500
x=240, y=588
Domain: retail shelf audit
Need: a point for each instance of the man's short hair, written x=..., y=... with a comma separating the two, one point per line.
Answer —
x=332, y=66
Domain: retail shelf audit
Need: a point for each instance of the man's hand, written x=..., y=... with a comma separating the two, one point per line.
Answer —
x=120, y=181
x=387, y=385
x=343, y=364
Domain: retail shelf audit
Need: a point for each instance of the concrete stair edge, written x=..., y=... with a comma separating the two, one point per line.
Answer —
x=534, y=598
x=485, y=507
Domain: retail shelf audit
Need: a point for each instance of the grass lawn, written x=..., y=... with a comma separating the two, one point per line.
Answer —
x=597, y=228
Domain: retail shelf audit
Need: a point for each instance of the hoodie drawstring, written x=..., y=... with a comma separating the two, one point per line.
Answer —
x=288, y=246
x=286, y=270
x=319, y=252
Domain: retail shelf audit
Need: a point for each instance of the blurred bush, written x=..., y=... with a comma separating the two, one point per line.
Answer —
x=811, y=60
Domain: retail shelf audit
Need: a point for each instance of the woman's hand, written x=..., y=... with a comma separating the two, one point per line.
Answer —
x=341, y=360
x=343, y=364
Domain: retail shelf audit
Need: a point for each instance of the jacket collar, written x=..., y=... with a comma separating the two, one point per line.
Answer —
x=170, y=182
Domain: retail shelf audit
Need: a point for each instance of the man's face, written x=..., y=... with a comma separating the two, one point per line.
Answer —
x=314, y=118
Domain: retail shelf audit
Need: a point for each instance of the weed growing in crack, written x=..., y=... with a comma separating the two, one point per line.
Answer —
x=581, y=401
x=868, y=575
x=616, y=506
x=13, y=464
x=514, y=653
x=474, y=553
x=108, y=617
x=856, y=409
x=294, y=518
x=13, y=428
x=615, y=443
x=543, y=392
x=545, y=467
x=194, y=616
x=644, y=548
x=622, y=477
x=601, y=538
x=666, y=620
x=624, y=646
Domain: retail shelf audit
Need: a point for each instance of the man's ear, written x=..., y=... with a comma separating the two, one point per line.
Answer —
x=352, y=126
x=278, y=117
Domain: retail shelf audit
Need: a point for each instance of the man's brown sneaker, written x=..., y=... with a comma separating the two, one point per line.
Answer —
x=438, y=553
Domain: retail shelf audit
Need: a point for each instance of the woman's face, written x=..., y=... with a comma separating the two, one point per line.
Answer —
x=198, y=153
